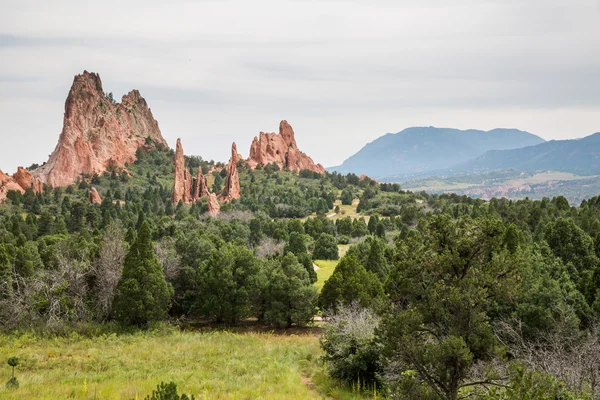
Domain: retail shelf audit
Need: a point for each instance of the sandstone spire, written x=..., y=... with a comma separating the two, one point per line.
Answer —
x=281, y=149
x=188, y=189
x=98, y=133
x=232, y=181
x=179, y=186
x=199, y=186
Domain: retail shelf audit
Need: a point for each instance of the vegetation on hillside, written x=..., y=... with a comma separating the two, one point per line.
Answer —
x=434, y=296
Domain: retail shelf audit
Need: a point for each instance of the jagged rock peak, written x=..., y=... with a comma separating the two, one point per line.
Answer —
x=234, y=153
x=20, y=181
x=185, y=187
x=281, y=149
x=179, y=192
x=98, y=133
x=232, y=180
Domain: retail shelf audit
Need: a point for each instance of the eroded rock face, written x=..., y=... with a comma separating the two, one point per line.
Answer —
x=20, y=181
x=234, y=153
x=188, y=189
x=98, y=133
x=26, y=180
x=281, y=149
x=232, y=180
x=199, y=186
x=214, y=208
x=94, y=196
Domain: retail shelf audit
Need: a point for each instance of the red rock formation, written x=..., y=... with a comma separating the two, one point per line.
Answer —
x=363, y=177
x=20, y=181
x=199, y=186
x=94, y=196
x=232, y=180
x=98, y=133
x=180, y=190
x=213, y=205
x=188, y=189
x=281, y=149
x=234, y=153
x=24, y=178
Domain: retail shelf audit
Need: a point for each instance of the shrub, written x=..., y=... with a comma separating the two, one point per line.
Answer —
x=167, y=391
x=352, y=352
x=13, y=383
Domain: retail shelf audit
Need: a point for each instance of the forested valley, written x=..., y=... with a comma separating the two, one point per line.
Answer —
x=432, y=297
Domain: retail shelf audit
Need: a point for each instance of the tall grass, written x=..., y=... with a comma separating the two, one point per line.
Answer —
x=213, y=365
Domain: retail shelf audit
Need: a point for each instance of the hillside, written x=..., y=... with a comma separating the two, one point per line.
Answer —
x=579, y=156
x=421, y=149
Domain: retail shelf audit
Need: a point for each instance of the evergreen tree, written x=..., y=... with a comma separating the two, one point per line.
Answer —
x=143, y=294
x=326, y=248
x=376, y=261
x=229, y=282
x=359, y=228
x=442, y=288
x=372, y=226
x=349, y=283
x=347, y=197
x=290, y=297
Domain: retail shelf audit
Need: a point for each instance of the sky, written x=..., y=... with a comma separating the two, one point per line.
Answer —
x=342, y=73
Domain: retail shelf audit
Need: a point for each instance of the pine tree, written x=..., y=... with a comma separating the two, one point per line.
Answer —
x=143, y=294
x=290, y=296
x=376, y=261
x=349, y=283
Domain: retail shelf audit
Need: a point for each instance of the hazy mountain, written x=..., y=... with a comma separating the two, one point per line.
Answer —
x=579, y=156
x=419, y=149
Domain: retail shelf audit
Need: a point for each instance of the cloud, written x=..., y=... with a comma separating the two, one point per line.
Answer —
x=342, y=72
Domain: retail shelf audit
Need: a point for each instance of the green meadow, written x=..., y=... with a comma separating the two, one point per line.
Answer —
x=209, y=365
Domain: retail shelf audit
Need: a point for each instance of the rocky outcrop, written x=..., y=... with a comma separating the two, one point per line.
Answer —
x=98, y=133
x=26, y=180
x=188, y=189
x=282, y=150
x=20, y=182
x=199, y=186
x=94, y=196
x=180, y=188
x=214, y=208
x=185, y=187
x=232, y=180
x=234, y=153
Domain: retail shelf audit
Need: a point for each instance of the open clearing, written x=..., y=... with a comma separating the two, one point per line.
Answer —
x=213, y=365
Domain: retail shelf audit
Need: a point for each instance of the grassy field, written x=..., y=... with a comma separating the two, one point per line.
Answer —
x=214, y=365
x=346, y=210
x=326, y=267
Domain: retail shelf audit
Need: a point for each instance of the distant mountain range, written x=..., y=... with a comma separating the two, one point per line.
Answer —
x=578, y=156
x=419, y=150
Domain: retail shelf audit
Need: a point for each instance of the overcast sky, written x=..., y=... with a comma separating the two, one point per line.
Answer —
x=341, y=72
